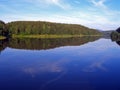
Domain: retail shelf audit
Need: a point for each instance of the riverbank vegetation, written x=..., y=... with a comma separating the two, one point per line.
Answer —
x=40, y=29
x=4, y=31
x=115, y=36
x=2, y=37
x=49, y=36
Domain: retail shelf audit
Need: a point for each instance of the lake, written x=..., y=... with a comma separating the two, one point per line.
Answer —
x=86, y=63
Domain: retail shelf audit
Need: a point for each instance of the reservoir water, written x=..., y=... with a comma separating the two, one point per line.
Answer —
x=87, y=63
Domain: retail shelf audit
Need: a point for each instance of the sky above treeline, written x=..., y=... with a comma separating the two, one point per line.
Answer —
x=98, y=14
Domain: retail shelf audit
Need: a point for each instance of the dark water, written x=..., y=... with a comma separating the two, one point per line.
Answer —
x=87, y=63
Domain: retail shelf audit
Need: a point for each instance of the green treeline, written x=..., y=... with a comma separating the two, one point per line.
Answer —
x=115, y=36
x=41, y=28
x=3, y=30
x=44, y=28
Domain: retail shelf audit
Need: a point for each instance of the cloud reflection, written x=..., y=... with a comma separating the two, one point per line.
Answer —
x=46, y=67
x=97, y=65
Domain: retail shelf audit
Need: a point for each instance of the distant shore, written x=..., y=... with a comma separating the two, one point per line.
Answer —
x=2, y=37
x=40, y=29
x=49, y=36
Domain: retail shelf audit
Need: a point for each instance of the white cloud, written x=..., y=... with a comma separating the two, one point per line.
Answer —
x=99, y=3
x=44, y=3
x=87, y=19
x=56, y=2
x=60, y=4
x=100, y=18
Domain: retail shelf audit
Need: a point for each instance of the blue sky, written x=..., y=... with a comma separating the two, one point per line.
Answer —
x=98, y=14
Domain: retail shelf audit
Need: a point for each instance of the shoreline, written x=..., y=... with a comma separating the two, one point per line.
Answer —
x=2, y=37
x=52, y=36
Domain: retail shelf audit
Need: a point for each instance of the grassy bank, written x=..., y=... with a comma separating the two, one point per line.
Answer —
x=2, y=37
x=49, y=36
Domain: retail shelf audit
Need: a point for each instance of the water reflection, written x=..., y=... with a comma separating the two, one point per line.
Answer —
x=37, y=66
x=118, y=42
x=39, y=44
x=91, y=66
x=3, y=44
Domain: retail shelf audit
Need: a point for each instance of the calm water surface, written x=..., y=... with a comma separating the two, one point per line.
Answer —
x=60, y=64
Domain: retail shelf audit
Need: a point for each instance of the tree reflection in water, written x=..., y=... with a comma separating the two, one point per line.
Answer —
x=43, y=44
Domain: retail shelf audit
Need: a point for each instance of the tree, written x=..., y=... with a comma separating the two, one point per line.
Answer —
x=3, y=29
x=42, y=28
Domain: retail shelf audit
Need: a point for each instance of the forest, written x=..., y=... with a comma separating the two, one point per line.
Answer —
x=115, y=36
x=43, y=28
x=4, y=31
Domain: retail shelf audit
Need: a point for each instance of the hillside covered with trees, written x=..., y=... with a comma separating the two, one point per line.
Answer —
x=3, y=29
x=44, y=28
